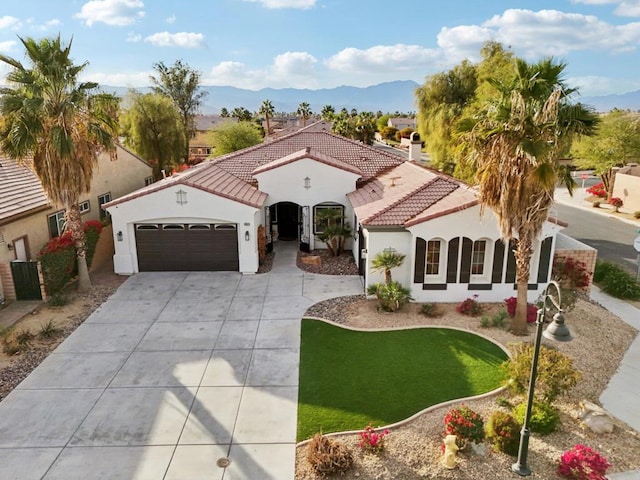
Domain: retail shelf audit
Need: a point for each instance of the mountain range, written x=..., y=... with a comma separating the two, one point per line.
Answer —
x=386, y=97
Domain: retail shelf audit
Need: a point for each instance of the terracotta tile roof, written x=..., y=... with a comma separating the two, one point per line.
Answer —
x=403, y=195
x=209, y=178
x=308, y=152
x=20, y=190
x=369, y=160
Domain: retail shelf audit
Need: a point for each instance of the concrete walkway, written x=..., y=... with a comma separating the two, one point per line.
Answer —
x=174, y=372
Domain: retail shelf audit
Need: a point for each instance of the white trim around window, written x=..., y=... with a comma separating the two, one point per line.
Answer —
x=318, y=228
x=481, y=259
x=435, y=261
x=84, y=207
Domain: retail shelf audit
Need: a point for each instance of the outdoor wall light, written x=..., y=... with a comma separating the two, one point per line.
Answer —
x=119, y=235
x=181, y=197
x=307, y=182
x=10, y=246
x=246, y=236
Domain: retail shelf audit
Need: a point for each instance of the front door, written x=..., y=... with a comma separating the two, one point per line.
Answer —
x=20, y=248
x=288, y=221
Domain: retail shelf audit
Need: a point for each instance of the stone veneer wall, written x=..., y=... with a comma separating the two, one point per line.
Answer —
x=567, y=247
x=6, y=280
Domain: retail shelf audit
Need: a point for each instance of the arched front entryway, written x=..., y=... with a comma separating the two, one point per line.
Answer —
x=289, y=222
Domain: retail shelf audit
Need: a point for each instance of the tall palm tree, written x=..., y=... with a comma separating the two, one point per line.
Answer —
x=514, y=145
x=304, y=110
x=267, y=110
x=327, y=113
x=59, y=124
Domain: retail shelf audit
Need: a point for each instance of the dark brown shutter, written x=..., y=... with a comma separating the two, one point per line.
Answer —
x=498, y=261
x=544, y=261
x=452, y=260
x=421, y=252
x=465, y=262
x=511, y=263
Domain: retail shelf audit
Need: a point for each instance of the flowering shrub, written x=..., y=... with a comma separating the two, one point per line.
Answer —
x=583, y=463
x=371, y=440
x=465, y=424
x=470, y=307
x=597, y=190
x=571, y=273
x=615, y=202
x=503, y=431
x=532, y=310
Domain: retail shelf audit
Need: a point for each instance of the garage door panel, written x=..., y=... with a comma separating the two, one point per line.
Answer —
x=172, y=249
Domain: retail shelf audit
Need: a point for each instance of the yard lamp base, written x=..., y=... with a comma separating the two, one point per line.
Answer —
x=521, y=470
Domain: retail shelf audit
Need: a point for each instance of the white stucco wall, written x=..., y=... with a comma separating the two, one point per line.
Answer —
x=378, y=240
x=468, y=223
x=201, y=207
x=627, y=188
x=327, y=184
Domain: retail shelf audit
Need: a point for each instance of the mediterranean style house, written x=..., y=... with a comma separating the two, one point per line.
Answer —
x=208, y=217
x=28, y=219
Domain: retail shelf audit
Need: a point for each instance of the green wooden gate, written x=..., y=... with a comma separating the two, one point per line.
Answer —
x=26, y=280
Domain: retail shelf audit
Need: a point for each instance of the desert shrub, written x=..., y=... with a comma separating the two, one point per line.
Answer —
x=532, y=310
x=556, y=373
x=58, y=300
x=391, y=296
x=583, y=463
x=485, y=321
x=92, y=231
x=465, y=424
x=470, y=307
x=596, y=204
x=429, y=310
x=597, y=190
x=615, y=281
x=615, y=202
x=389, y=133
x=327, y=456
x=636, y=214
x=15, y=341
x=372, y=441
x=503, y=432
x=503, y=402
x=49, y=330
x=544, y=417
x=24, y=337
x=570, y=272
x=497, y=320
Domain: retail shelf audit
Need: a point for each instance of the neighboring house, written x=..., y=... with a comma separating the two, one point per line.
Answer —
x=28, y=220
x=207, y=218
x=402, y=122
x=200, y=147
x=626, y=186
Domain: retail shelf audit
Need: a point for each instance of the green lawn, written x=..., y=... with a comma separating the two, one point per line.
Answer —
x=348, y=379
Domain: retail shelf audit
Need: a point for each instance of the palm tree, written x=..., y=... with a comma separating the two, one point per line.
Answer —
x=304, y=110
x=514, y=146
x=385, y=261
x=59, y=124
x=267, y=110
x=328, y=113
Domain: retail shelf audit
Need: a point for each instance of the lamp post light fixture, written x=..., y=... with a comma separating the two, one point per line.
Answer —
x=556, y=331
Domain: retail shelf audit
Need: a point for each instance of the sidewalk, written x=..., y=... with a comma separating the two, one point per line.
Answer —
x=561, y=195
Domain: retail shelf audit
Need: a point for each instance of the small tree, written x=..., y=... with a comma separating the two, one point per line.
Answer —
x=231, y=136
x=334, y=229
x=385, y=261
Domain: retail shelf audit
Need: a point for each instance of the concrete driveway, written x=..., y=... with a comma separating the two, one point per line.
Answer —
x=174, y=372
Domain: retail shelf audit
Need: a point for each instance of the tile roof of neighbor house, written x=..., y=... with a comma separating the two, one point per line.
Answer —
x=207, y=122
x=20, y=190
x=308, y=152
x=207, y=177
x=409, y=194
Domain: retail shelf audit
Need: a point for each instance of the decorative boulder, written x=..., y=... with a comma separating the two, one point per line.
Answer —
x=595, y=417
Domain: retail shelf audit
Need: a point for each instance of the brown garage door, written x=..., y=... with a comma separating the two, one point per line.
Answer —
x=187, y=247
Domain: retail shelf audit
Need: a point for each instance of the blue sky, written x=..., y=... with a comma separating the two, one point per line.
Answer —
x=326, y=43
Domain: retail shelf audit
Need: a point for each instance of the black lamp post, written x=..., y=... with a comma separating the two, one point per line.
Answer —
x=557, y=331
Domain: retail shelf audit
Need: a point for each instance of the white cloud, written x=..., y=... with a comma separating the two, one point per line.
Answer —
x=130, y=79
x=9, y=22
x=7, y=46
x=387, y=58
x=542, y=33
x=593, y=85
x=111, y=12
x=134, y=38
x=302, y=4
x=171, y=19
x=294, y=63
x=180, y=39
x=625, y=8
x=43, y=27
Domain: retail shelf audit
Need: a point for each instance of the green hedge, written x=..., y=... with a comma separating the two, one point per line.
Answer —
x=58, y=257
x=615, y=281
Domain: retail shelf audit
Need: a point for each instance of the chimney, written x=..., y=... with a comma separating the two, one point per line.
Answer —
x=415, y=148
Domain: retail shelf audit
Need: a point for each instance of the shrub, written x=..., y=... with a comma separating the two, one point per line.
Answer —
x=615, y=202
x=372, y=441
x=636, y=214
x=24, y=337
x=597, y=190
x=58, y=300
x=10, y=345
x=583, y=463
x=532, y=310
x=596, y=204
x=496, y=320
x=92, y=231
x=389, y=133
x=465, y=424
x=327, y=456
x=503, y=432
x=616, y=281
x=570, y=272
x=429, y=310
x=544, y=418
x=49, y=330
x=391, y=296
x=556, y=373
x=470, y=307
